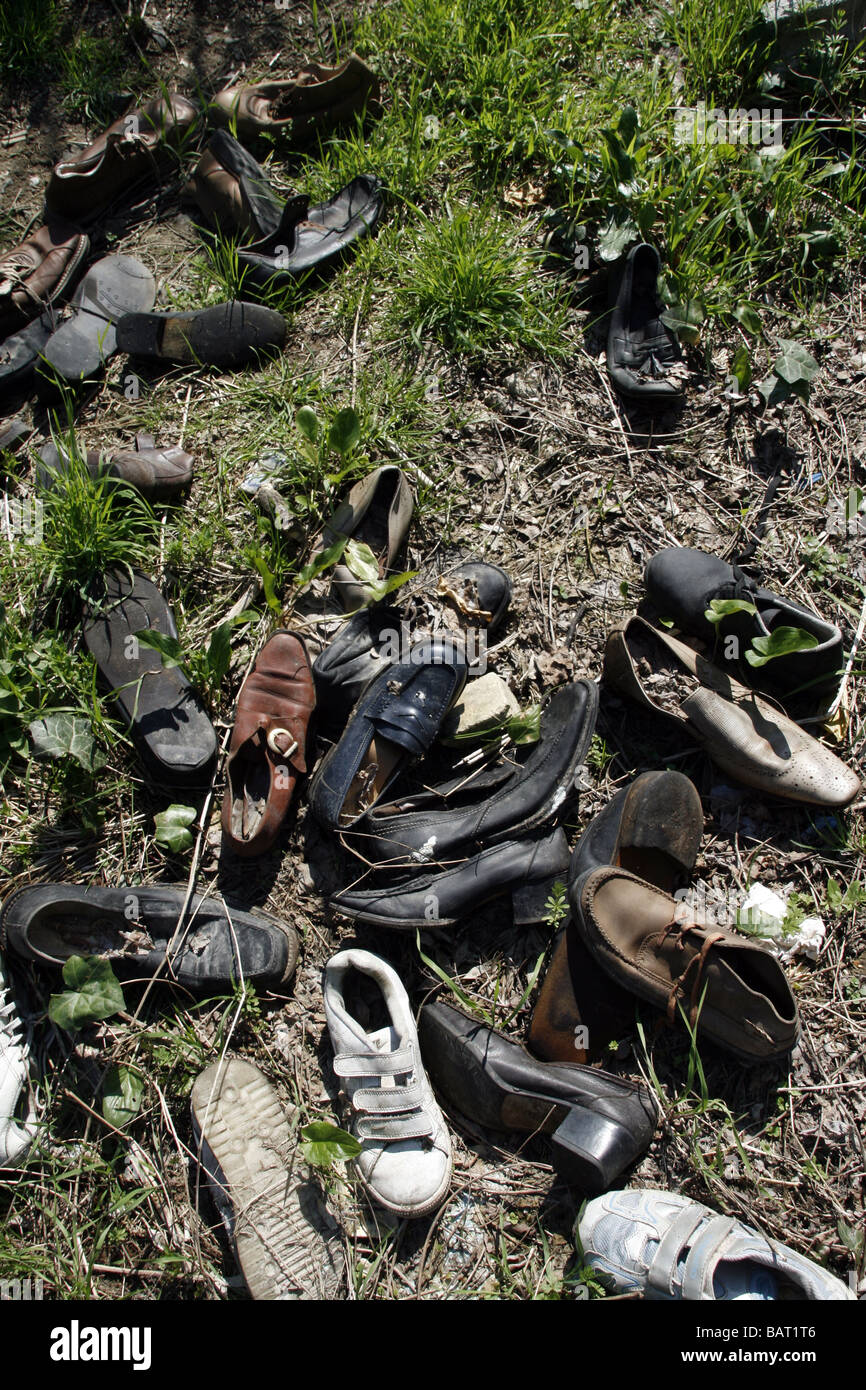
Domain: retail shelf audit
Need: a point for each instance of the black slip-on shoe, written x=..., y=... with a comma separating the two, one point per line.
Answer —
x=525, y=869
x=311, y=238
x=643, y=355
x=396, y=720
x=682, y=583
x=136, y=928
x=159, y=706
x=20, y=353
x=599, y=1124
x=460, y=816
x=478, y=594
x=223, y=335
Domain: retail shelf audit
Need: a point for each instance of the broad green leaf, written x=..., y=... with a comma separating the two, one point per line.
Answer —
x=624, y=166
x=614, y=238
x=362, y=562
x=780, y=642
x=345, y=430
x=741, y=368
x=65, y=735
x=267, y=579
x=219, y=651
x=794, y=363
x=324, y=1144
x=722, y=608
x=686, y=318
x=749, y=318
x=323, y=561
x=308, y=423
x=122, y=1091
x=853, y=503
x=169, y=648
x=93, y=992
x=380, y=588
x=628, y=125
x=172, y=828
x=774, y=390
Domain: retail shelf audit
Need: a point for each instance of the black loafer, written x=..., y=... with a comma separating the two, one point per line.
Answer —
x=375, y=638
x=311, y=238
x=525, y=869
x=134, y=926
x=600, y=1124
x=682, y=583
x=159, y=706
x=396, y=720
x=459, y=817
x=641, y=349
x=223, y=335
x=20, y=353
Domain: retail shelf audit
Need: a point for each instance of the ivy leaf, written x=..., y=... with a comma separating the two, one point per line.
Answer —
x=794, y=363
x=324, y=1144
x=614, y=238
x=780, y=642
x=323, y=560
x=121, y=1095
x=94, y=992
x=172, y=828
x=774, y=390
x=219, y=651
x=169, y=648
x=345, y=430
x=308, y=423
x=722, y=608
x=65, y=735
x=685, y=319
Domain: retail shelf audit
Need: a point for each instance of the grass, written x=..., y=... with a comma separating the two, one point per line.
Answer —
x=512, y=139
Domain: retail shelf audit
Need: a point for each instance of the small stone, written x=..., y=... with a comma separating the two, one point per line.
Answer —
x=485, y=701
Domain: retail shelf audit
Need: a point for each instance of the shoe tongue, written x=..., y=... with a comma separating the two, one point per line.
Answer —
x=295, y=211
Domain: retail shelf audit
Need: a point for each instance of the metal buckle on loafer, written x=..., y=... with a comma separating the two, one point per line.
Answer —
x=273, y=735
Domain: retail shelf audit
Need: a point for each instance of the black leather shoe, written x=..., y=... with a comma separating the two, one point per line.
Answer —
x=135, y=926
x=642, y=352
x=600, y=1124
x=527, y=869
x=457, y=818
x=310, y=238
x=396, y=719
x=681, y=583
x=478, y=594
x=221, y=335
x=653, y=828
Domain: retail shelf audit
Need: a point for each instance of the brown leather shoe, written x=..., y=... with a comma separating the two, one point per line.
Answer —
x=377, y=513
x=268, y=748
x=38, y=273
x=743, y=733
x=156, y=473
x=312, y=102
x=734, y=992
x=653, y=828
x=232, y=190
x=133, y=151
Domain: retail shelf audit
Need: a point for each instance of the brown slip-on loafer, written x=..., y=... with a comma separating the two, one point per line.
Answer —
x=38, y=273
x=653, y=828
x=376, y=513
x=732, y=991
x=267, y=753
x=312, y=102
x=134, y=150
x=156, y=473
x=743, y=733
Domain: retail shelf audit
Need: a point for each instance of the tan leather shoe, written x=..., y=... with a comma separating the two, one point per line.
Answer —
x=268, y=748
x=134, y=150
x=733, y=991
x=312, y=102
x=377, y=513
x=38, y=273
x=743, y=733
x=156, y=473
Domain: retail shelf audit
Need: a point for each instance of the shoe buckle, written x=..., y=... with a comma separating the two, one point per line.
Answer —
x=273, y=735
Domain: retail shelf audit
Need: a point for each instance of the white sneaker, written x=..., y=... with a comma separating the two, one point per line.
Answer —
x=668, y=1247
x=15, y=1139
x=405, y=1162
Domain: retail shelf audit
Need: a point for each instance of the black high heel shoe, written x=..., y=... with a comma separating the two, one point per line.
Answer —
x=599, y=1124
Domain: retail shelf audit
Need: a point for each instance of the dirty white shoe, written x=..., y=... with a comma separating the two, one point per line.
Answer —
x=15, y=1139
x=668, y=1247
x=405, y=1159
x=288, y=1246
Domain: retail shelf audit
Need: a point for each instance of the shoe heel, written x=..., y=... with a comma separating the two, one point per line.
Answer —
x=530, y=900
x=591, y=1150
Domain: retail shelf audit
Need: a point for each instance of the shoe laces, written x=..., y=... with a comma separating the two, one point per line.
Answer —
x=695, y=967
x=10, y=1022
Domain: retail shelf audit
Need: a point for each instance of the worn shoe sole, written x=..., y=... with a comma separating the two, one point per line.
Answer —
x=287, y=1245
x=224, y=335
